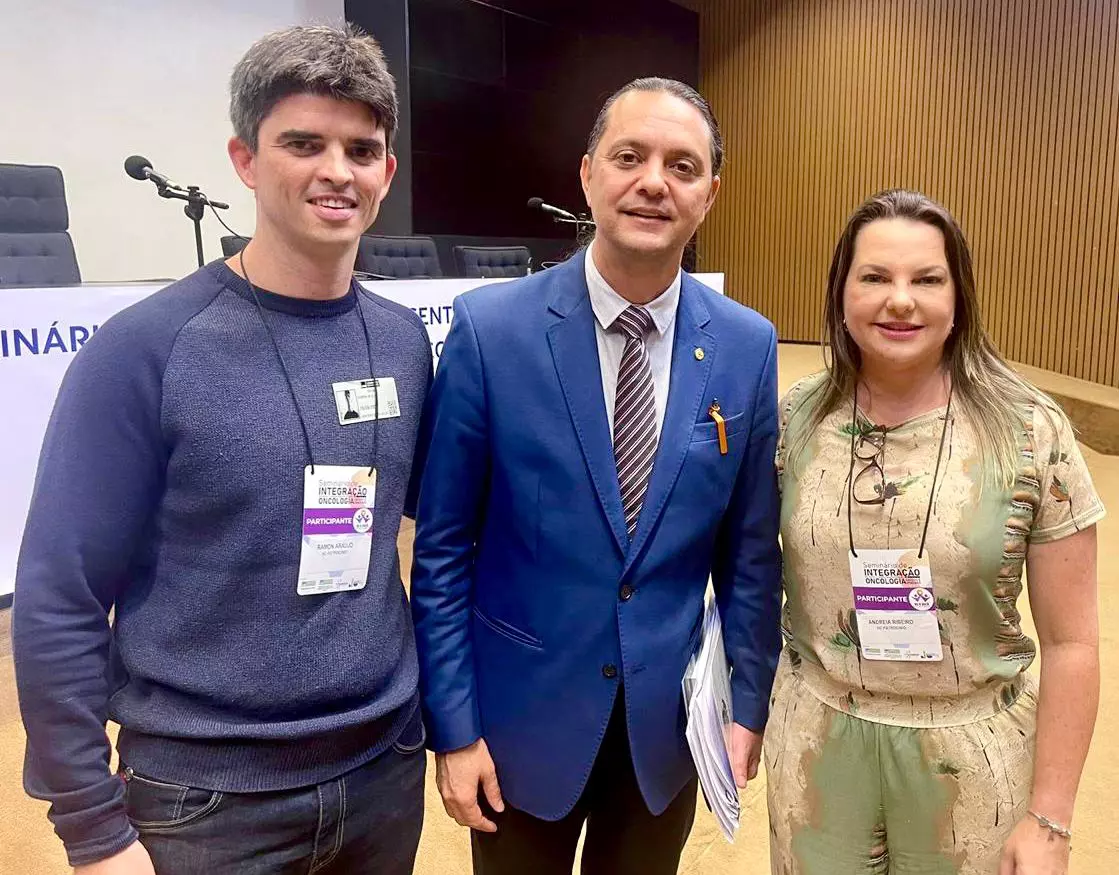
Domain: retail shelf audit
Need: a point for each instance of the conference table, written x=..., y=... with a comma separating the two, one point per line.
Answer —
x=42, y=328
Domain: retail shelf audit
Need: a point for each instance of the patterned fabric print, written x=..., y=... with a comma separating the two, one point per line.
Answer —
x=848, y=796
x=977, y=541
x=1011, y=644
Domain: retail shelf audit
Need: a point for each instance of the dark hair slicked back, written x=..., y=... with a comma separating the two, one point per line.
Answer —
x=684, y=92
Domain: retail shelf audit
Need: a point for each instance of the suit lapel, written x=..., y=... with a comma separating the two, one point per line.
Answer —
x=575, y=354
x=687, y=384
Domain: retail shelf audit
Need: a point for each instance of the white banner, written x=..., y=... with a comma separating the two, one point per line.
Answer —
x=41, y=329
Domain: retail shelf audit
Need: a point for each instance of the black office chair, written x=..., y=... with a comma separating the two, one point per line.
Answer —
x=35, y=247
x=492, y=261
x=398, y=257
x=230, y=245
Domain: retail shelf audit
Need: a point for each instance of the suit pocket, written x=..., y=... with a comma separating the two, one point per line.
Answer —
x=709, y=430
x=508, y=631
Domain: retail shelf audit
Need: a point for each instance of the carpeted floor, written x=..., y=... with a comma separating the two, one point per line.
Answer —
x=28, y=845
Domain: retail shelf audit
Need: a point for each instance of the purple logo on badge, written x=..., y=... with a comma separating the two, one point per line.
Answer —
x=920, y=599
x=363, y=520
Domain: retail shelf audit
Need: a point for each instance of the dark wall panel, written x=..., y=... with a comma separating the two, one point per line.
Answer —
x=387, y=20
x=498, y=96
x=460, y=39
x=504, y=94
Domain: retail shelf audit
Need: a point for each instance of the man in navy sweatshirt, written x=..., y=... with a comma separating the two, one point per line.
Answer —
x=210, y=557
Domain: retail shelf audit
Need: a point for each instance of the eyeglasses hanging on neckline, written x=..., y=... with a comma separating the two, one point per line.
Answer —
x=875, y=437
x=870, y=448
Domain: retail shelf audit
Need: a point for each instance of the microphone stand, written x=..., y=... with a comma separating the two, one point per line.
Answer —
x=194, y=210
x=580, y=223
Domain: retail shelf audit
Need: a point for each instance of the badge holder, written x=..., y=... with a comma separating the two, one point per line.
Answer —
x=895, y=603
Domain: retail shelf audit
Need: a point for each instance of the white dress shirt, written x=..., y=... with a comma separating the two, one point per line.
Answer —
x=608, y=306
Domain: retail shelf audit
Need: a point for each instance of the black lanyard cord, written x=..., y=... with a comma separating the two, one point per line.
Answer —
x=287, y=375
x=936, y=471
x=373, y=377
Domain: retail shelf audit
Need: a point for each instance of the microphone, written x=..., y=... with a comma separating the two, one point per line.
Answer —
x=139, y=167
x=535, y=203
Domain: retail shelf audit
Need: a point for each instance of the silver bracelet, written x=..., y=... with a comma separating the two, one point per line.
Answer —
x=1051, y=825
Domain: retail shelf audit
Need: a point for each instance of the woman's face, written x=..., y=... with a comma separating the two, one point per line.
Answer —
x=899, y=301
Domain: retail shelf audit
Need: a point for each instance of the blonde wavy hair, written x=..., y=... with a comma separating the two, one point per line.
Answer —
x=989, y=393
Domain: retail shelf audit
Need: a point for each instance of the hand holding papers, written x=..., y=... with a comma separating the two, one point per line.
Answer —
x=707, y=700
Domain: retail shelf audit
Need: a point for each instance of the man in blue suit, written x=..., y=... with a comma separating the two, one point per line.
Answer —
x=601, y=441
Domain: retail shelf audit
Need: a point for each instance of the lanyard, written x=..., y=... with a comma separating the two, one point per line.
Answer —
x=851, y=471
x=287, y=376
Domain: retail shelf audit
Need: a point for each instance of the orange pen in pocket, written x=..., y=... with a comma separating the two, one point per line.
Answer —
x=715, y=412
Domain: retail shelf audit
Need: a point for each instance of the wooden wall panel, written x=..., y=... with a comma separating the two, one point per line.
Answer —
x=1006, y=111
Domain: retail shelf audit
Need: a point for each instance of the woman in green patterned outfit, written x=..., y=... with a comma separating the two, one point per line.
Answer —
x=920, y=477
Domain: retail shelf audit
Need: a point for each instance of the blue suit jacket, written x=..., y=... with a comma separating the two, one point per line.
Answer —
x=521, y=548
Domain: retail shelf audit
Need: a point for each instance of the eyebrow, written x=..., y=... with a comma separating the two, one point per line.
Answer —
x=367, y=142
x=637, y=144
x=927, y=269
x=299, y=135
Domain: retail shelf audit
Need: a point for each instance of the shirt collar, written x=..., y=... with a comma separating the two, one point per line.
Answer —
x=608, y=304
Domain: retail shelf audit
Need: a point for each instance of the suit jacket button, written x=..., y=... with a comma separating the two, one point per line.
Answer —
x=610, y=671
x=627, y=593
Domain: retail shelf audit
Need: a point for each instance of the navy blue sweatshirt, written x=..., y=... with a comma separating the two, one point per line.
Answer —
x=170, y=490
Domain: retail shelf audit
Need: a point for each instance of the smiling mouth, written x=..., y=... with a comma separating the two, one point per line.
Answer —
x=334, y=202
x=646, y=214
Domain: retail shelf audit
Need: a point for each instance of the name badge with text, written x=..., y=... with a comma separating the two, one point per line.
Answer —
x=357, y=402
x=338, y=502
x=895, y=606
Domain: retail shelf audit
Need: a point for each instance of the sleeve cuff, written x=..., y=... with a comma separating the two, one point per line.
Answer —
x=95, y=850
x=1081, y=521
x=448, y=732
x=749, y=711
x=92, y=822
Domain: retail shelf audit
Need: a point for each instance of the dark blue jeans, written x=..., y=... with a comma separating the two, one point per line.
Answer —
x=366, y=821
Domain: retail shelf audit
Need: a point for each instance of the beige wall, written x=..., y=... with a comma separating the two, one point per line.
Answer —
x=1005, y=111
x=88, y=84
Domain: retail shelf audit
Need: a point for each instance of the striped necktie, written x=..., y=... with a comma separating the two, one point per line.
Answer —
x=635, y=416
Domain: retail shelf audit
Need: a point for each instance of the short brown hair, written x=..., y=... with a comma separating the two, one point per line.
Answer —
x=343, y=63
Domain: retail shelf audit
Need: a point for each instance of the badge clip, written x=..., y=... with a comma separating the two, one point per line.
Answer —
x=715, y=412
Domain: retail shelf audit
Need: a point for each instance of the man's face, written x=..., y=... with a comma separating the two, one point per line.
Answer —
x=649, y=182
x=320, y=171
